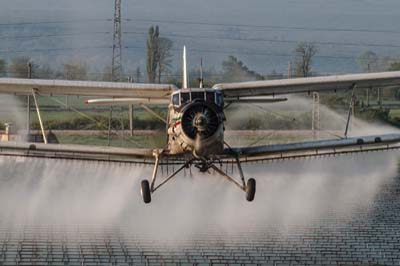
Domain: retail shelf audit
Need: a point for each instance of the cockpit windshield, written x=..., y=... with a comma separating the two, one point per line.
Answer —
x=182, y=98
x=198, y=96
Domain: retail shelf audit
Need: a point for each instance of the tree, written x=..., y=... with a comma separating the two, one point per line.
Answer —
x=107, y=73
x=138, y=75
x=75, y=70
x=394, y=66
x=152, y=50
x=274, y=75
x=164, y=56
x=235, y=70
x=3, y=68
x=368, y=61
x=305, y=53
x=19, y=67
x=43, y=72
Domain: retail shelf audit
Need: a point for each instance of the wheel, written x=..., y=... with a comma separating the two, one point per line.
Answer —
x=250, y=189
x=145, y=191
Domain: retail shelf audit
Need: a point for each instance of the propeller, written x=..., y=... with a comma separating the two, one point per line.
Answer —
x=200, y=121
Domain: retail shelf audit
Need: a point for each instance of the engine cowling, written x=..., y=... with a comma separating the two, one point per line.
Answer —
x=200, y=121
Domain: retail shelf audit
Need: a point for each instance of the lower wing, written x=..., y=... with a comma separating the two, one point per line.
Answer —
x=315, y=148
x=77, y=152
x=245, y=154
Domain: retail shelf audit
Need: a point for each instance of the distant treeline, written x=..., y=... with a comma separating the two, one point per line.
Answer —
x=159, y=69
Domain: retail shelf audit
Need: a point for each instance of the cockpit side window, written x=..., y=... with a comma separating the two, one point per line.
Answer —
x=218, y=99
x=210, y=97
x=175, y=99
x=185, y=97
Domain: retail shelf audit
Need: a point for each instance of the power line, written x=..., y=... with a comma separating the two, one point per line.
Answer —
x=54, y=49
x=53, y=22
x=274, y=40
x=298, y=28
x=185, y=22
x=202, y=37
x=55, y=35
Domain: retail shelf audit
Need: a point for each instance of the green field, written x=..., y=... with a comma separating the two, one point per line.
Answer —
x=56, y=116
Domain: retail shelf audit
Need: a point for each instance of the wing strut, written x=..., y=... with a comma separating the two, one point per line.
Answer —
x=145, y=107
x=147, y=189
x=39, y=116
x=351, y=109
x=239, y=166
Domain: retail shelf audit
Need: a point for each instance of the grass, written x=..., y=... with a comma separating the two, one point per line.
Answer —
x=394, y=113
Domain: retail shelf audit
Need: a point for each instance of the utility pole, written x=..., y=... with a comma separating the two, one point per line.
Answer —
x=131, y=114
x=289, y=75
x=315, y=124
x=28, y=105
x=116, y=72
x=379, y=97
x=368, y=89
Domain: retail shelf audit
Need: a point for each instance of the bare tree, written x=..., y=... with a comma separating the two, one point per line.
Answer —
x=138, y=75
x=305, y=52
x=368, y=61
x=107, y=73
x=394, y=66
x=75, y=70
x=164, y=56
x=19, y=67
x=43, y=72
x=3, y=68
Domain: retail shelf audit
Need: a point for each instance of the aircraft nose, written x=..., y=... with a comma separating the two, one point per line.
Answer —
x=200, y=122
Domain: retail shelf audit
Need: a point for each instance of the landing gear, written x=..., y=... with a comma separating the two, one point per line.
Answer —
x=149, y=188
x=250, y=189
x=145, y=191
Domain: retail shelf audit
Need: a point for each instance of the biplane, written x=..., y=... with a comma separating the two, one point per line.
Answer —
x=195, y=123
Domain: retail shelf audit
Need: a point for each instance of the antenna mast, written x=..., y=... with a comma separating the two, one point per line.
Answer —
x=201, y=81
x=116, y=72
x=185, y=74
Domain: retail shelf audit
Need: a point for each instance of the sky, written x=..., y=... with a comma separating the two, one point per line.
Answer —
x=261, y=33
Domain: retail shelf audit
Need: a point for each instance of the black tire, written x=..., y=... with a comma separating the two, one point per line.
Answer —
x=145, y=191
x=250, y=189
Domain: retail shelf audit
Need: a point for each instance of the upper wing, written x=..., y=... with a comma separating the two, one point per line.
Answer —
x=126, y=101
x=298, y=85
x=316, y=148
x=85, y=88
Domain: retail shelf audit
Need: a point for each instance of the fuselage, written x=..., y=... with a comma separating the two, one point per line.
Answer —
x=196, y=122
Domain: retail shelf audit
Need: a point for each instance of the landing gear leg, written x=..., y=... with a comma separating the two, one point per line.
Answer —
x=148, y=189
x=249, y=188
